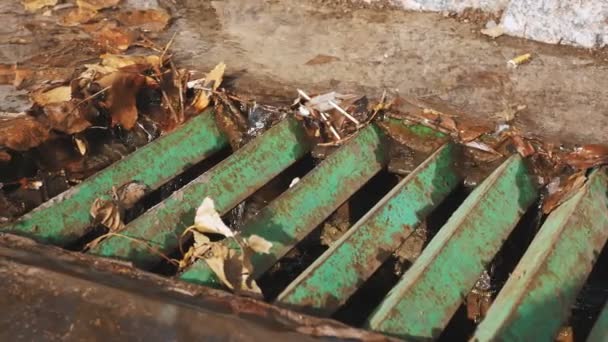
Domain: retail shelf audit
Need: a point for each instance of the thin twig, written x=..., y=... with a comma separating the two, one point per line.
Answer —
x=344, y=112
x=331, y=127
x=89, y=98
x=162, y=55
x=170, y=105
x=145, y=243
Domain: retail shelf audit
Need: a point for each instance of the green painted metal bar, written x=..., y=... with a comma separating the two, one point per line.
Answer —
x=65, y=218
x=430, y=292
x=294, y=214
x=337, y=274
x=599, y=333
x=228, y=183
x=539, y=295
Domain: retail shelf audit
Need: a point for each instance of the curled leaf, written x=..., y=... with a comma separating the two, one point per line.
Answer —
x=208, y=220
x=210, y=84
x=121, y=102
x=107, y=213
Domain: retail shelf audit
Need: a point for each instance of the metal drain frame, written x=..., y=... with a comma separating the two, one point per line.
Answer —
x=429, y=292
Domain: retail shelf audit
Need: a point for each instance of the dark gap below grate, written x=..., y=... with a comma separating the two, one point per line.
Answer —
x=236, y=217
x=310, y=248
x=362, y=303
x=460, y=327
x=591, y=299
x=156, y=196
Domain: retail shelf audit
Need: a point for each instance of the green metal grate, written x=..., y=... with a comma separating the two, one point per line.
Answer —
x=532, y=305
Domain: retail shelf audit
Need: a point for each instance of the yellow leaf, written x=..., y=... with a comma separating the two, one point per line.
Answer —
x=96, y=5
x=208, y=220
x=119, y=61
x=81, y=145
x=34, y=5
x=212, y=81
x=55, y=95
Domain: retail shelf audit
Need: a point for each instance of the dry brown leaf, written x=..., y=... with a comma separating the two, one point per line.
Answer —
x=588, y=156
x=77, y=16
x=129, y=194
x=107, y=213
x=228, y=127
x=5, y=157
x=65, y=117
x=23, y=132
x=469, y=132
x=121, y=100
x=322, y=59
x=212, y=81
x=55, y=95
x=34, y=5
x=570, y=187
x=96, y=5
x=154, y=20
x=523, y=146
x=111, y=37
x=232, y=267
x=120, y=61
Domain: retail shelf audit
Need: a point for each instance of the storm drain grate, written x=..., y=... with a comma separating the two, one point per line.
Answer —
x=532, y=305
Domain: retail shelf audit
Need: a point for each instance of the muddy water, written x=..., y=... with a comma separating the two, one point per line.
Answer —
x=267, y=45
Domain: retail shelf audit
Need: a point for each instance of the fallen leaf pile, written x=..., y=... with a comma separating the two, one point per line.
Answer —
x=232, y=266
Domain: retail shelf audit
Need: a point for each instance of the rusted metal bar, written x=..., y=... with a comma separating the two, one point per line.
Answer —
x=540, y=292
x=66, y=218
x=342, y=269
x=53, y=294
x=294, y=214
x=228, y=183
x=429, y=293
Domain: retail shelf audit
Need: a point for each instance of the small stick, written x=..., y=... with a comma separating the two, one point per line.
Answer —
x=89, y=98
x=333, y=104
x=162, y=55
x=345, y=113
x=323, y=116
x=331, y=127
